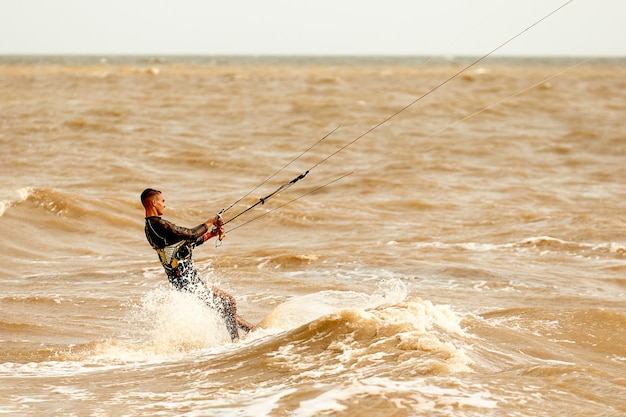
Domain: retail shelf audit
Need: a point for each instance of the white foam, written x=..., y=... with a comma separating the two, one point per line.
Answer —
x=304, y=309
x=262, y=402
x=427, y=397
x=178, y=322
x=430, y=335
x=327, y=402
x=55, y=369
x=73, y=393
x=258, y=401
x=18, y=196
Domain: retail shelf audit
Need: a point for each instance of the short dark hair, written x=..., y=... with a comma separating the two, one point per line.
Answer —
x=147, y=194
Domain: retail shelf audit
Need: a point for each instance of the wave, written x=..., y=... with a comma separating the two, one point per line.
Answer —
x=341, y=335
x=548, y=242
x=545, y=244
x=11, y=328
x=20, y=195
x=344, y=343
x=312, y=334
x=413, y=337
x=410, y=352
x=71, y=206
x=288, y=261
x=551, y=337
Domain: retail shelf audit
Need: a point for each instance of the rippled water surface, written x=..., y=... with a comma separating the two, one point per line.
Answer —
x=471, y=264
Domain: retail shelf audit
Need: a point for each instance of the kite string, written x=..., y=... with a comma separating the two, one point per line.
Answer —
x=443, y=83
x=291, y=201
x=279, y=171
x=388, y=118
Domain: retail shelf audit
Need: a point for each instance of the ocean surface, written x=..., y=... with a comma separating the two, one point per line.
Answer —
x=457, y=248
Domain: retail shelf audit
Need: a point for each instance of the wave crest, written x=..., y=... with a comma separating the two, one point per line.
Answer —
x=20, y=195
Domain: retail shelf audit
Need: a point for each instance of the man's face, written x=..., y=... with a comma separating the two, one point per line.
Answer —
x=159, y=204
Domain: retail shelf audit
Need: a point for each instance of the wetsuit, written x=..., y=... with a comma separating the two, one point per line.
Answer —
x=174, y=245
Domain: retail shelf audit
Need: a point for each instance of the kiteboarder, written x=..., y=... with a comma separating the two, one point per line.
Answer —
x=174, y=245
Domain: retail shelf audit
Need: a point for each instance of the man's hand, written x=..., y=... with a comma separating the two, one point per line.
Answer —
x=218, y=221
x=215, y=221
x=216, y=227
x=221, y=234
x=219, y=225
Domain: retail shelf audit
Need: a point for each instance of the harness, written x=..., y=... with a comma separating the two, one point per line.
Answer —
x=171, y=256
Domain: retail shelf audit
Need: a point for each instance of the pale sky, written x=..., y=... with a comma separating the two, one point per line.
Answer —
x=311, y=27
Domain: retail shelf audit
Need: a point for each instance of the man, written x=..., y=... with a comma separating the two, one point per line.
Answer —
x=174, y=245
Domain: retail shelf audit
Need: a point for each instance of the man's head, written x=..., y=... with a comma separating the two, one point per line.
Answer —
x=153, y=201
x=148, y=195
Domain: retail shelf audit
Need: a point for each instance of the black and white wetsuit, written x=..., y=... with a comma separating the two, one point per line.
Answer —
x=174, y=245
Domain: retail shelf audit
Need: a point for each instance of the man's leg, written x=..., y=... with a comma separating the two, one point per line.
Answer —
x=227, y=307
x=244, y=325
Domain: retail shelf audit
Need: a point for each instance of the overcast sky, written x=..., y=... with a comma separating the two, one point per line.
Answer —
x=312, y=27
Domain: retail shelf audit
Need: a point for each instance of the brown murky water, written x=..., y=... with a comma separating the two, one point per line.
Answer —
x=467, y=267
